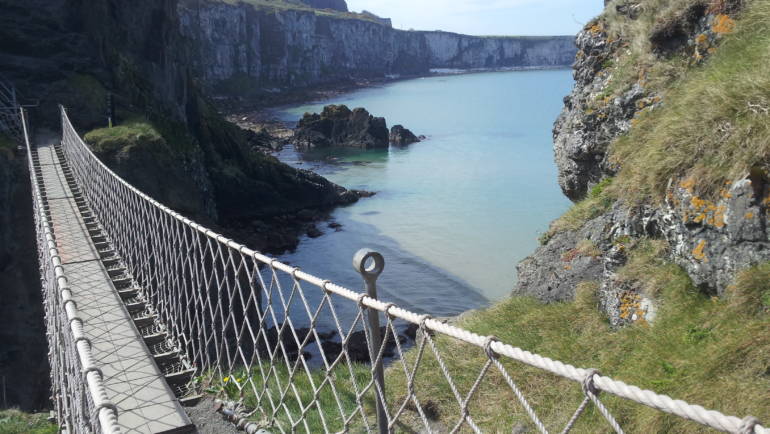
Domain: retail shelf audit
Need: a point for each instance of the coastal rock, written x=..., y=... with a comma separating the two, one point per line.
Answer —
x=589, y=121
x=555, y=269
x=401, y=136
x=337, y=125
x=712, y=240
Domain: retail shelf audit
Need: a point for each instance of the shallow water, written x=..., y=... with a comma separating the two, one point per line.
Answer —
x=455, y=213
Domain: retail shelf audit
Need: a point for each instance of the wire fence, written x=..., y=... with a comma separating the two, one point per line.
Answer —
x=78, y=394
x=294, y=352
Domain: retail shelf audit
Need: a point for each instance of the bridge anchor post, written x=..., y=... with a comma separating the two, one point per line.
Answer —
x=370, y=265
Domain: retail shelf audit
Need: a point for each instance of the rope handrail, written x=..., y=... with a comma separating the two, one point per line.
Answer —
x=62, y=313
x=200, y=280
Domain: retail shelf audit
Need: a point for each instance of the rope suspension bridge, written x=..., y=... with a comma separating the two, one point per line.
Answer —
x=147, y=310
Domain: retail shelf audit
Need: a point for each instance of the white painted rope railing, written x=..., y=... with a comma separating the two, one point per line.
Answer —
x=81, y=400
x=219, y=299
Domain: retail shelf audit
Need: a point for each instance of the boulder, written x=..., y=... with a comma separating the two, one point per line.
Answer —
x=337, y=125
x=401, y=136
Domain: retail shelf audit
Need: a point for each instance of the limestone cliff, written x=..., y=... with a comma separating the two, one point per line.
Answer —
x=642, y=159
x=241, y=47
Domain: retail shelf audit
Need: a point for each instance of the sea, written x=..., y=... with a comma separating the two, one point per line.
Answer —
x=453, y=214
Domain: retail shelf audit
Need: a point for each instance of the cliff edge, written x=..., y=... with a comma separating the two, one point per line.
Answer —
x=664, y=137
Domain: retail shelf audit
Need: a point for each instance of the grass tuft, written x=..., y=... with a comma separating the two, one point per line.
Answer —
x=598, y=201
x=17, y=422
x=122, y=138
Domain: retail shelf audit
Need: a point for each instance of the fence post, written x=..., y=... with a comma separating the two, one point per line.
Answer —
x=370, y=265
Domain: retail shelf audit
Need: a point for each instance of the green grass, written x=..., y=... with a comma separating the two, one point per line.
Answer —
x=18, y=422
x=699, y=349
x=296, y=5
x=122, y=138
x=258, y=393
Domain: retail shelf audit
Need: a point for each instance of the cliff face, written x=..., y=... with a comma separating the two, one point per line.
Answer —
x=23, y=359
x=711, y=212
x=244, y=46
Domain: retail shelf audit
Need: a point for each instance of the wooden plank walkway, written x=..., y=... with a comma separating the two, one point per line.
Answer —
x=145, y=402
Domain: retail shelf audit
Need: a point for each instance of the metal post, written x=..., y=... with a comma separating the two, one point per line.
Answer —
x=109, y=110
x=370, y=265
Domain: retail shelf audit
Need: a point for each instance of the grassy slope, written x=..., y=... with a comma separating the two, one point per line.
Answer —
x=712, y=126
x=700, y=349
x=715, y=123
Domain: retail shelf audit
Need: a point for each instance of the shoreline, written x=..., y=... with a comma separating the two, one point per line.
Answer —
x=271, y=100
x=283, y=234
x=258, y=117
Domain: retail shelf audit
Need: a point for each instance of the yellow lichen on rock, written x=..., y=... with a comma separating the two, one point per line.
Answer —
x=723, y=24
x=698, y=252
x=688, y=184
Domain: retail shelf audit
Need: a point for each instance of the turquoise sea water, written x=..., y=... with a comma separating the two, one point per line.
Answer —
x=455, y=213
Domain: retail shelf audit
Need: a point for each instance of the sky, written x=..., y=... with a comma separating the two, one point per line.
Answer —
x=486, y=17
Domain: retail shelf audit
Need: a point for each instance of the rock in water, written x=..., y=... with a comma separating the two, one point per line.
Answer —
x=401, y=136
x=337, y=125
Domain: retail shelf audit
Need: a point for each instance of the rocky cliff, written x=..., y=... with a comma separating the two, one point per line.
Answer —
x=23, y=360
x=644, y=158
x=241, y=47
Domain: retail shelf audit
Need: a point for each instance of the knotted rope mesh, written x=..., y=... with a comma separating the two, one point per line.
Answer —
x=78, y=394
x=293, y=352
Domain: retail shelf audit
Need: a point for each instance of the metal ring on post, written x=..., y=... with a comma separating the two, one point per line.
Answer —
x=373, y=271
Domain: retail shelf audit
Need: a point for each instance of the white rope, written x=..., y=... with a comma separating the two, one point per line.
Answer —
x=80, y=395
x=220, y=298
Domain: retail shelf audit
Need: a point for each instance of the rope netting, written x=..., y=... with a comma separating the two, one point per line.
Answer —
x=293, y=352
x=80, y=399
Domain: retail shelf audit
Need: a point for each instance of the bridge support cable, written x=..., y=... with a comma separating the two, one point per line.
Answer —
x=81, y=401
x=294, y=352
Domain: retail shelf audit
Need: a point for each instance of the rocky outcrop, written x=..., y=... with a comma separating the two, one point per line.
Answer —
x=401, y=136
x=242, y=49
x=337, y=125
x=589, y=120
x=711, y=237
